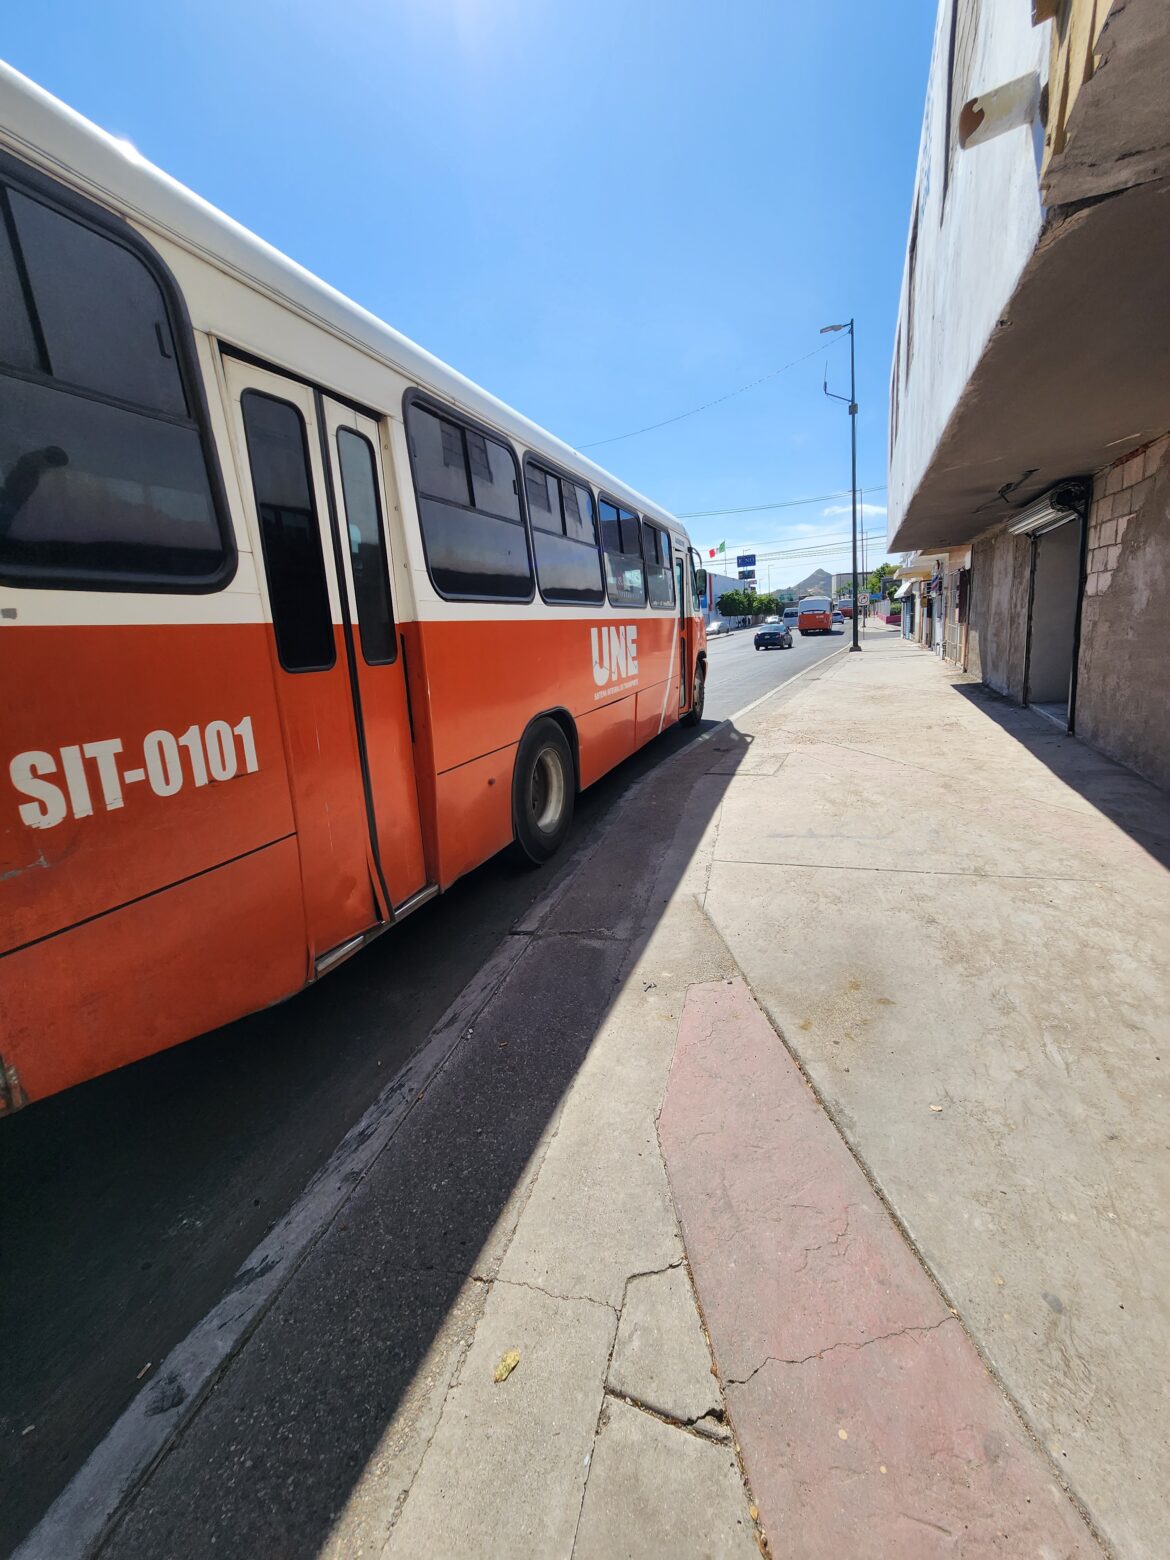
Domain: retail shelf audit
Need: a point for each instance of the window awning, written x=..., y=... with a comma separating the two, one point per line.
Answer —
x=904, y=591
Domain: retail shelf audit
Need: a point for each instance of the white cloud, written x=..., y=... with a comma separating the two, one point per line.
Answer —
x=847, y=509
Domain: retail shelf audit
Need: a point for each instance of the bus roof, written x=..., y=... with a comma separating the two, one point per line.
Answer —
x=43, y=131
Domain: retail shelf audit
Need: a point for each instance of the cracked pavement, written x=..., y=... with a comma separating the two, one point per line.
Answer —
x=898, y=1332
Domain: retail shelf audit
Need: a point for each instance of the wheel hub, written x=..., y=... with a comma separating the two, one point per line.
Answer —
x=548, y=790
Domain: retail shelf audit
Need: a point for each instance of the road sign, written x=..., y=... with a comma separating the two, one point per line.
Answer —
x=748, y=574
x=745, y=561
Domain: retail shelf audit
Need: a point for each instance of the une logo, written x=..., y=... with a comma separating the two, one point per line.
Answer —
x=615, y=653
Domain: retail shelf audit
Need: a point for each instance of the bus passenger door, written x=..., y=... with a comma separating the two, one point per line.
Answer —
x=363, y=553
x=276, y=428
x=684, y=624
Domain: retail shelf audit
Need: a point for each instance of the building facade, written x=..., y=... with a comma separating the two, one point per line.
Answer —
x=712, y=586
x=1030, y=393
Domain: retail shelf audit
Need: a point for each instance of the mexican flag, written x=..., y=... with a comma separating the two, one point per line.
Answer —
x=711, y=551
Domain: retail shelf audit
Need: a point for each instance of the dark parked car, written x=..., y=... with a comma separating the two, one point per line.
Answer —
x=774, y=636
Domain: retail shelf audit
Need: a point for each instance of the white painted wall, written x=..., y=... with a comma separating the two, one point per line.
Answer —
x=718, y=584
x=972, y=249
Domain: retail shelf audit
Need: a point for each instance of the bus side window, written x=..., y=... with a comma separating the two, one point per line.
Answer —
x=367, y=547
x=621, y=541
x=104, y=477
x=564, y=538
x=659, y=565
x=467, y=490
x=290, y=534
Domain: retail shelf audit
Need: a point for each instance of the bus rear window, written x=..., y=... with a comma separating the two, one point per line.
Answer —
x=103, y=471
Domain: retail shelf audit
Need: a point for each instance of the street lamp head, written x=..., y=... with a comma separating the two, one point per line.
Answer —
x=825, y=329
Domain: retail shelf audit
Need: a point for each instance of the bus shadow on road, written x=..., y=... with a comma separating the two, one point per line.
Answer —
x=332, y=1386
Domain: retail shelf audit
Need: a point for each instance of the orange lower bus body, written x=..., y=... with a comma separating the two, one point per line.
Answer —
x=130, y=932
x=181, y=961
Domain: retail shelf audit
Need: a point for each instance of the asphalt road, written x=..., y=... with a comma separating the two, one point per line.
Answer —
x=128, y=1204
x=739, y=673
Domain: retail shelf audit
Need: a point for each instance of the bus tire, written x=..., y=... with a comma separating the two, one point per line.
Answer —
x=698, y=697
x=543, y=791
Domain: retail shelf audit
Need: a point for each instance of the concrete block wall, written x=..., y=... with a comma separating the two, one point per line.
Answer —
x=1123, y=687
x=998, y=615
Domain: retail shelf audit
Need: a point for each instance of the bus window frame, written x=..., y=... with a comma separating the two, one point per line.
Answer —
x=618, y=504
x=383, y=541
x=415, y=395
x=649, y=522
x=535, y=458
x=311, y=489
x=107, y=224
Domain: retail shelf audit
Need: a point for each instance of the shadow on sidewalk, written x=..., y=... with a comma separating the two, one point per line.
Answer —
x=301, y=1416
x=1135, y=805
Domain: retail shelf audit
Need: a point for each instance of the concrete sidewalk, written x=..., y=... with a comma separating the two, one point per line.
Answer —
x=851, y=1022
x=959, y=921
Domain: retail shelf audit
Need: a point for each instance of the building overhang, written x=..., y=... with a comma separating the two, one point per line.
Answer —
x=1074, y=375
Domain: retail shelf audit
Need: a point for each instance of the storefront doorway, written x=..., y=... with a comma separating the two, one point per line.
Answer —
x=1052, y=620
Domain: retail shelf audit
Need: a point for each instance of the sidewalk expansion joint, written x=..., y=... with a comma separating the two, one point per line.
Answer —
x=898, y=1332
x=712, y=1428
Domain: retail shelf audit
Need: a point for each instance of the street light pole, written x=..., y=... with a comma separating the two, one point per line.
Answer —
x=853, y=442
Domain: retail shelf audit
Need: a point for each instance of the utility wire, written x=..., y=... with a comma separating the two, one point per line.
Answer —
x=829, y=546
x=817, y=546
x=781, y=503
x=616, y=438
x=811, y=553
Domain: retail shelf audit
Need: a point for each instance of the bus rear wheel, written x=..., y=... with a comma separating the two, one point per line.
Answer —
x=542, y=791
x=698, y=697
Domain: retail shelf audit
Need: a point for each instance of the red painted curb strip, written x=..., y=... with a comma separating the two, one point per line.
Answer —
x=868, y=1424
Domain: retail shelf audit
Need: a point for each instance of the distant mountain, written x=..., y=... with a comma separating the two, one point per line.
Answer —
x=819, y=583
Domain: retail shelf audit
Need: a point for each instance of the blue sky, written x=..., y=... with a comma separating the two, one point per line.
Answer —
x=604, y=211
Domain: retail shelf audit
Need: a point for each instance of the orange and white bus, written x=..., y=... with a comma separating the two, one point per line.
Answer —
x=297, y=625
x=815, y=615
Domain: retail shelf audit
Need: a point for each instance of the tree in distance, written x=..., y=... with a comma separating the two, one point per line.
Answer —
x=745, y=603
